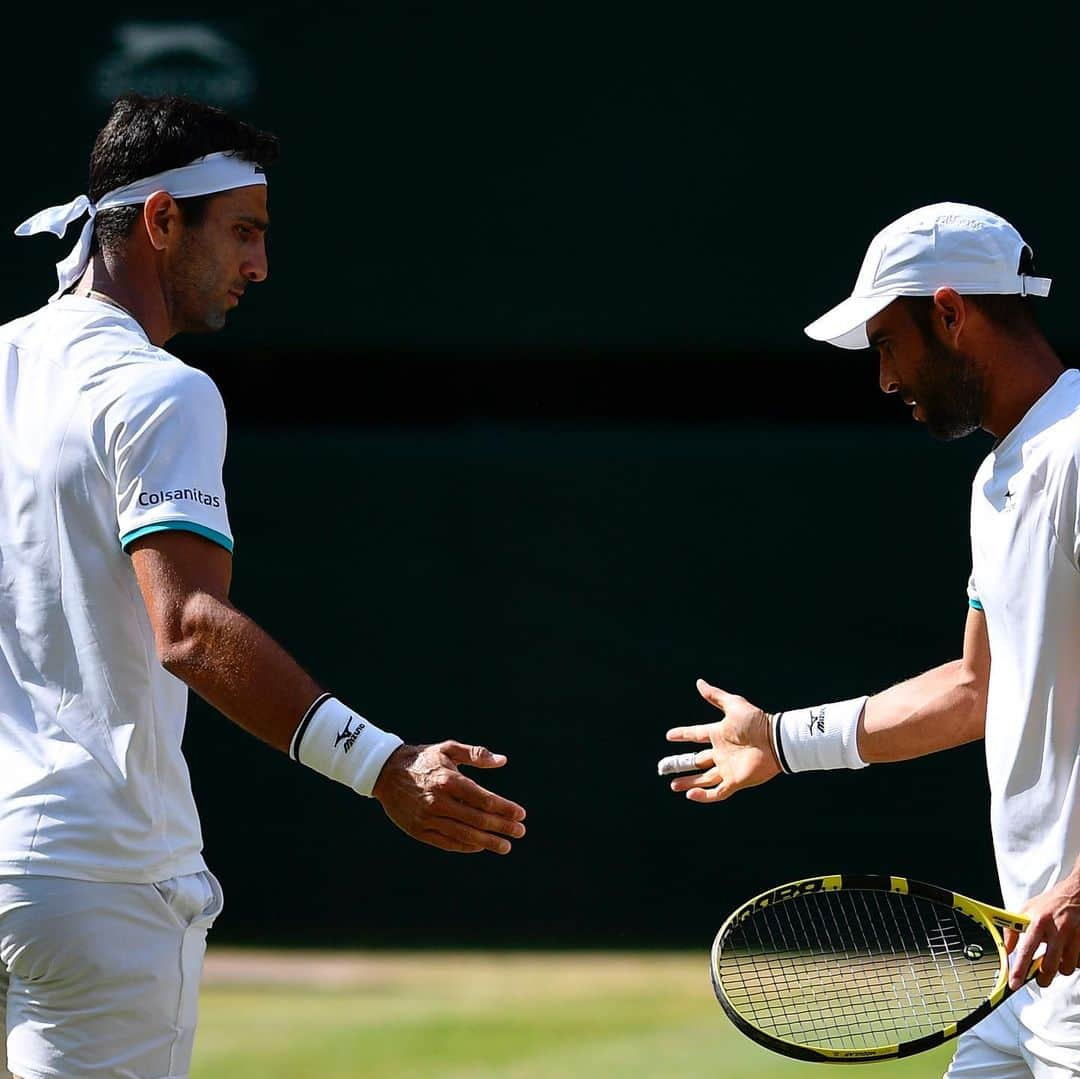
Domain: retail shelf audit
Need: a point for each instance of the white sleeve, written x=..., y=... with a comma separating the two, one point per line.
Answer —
x=973, y=593
x=1065, y=500
x=165, y=438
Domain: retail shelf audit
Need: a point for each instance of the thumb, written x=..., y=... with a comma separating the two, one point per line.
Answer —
x=712, y=694
x=477, y=756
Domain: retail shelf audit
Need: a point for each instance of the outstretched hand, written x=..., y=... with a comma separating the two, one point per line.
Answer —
x=740, y=753
x=424, y=794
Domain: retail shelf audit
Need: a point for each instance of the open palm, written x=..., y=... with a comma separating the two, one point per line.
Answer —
x=740, y=753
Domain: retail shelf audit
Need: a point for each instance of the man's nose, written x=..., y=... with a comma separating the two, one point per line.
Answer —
x=256, y=267
x=887, y=379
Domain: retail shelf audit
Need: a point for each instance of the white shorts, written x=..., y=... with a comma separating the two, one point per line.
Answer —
x=102, y=979
x=1001, y=1047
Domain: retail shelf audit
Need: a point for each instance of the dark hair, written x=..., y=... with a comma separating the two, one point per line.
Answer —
x=146, y=135
x=1013, y=315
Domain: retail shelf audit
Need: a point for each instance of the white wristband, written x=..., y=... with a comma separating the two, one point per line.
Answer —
x=340, y=744
x=825, y=736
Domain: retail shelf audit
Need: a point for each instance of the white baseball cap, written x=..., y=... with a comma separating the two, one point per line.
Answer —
x=946, y=244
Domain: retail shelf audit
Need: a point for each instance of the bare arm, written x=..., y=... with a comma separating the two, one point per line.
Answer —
x=234, y=664
x=942, y=708
x=206, y=642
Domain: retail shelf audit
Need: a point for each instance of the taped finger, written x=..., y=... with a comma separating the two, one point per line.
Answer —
x=679, y=762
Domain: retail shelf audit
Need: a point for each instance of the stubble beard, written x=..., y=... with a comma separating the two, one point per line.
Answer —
x=951, y=393
x=197, y=308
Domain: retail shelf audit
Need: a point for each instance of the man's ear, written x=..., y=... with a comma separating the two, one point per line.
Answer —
x=161, y=218
x=950, y=314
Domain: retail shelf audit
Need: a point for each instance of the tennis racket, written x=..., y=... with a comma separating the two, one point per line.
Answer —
x=847, y=969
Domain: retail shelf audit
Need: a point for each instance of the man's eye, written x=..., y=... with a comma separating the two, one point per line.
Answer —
x=243, y=232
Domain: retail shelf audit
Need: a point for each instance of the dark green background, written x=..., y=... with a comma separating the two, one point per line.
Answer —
x=492, y=174
x=554, y=593
x=526, y=436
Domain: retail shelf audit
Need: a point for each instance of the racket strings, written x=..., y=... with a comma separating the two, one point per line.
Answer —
x=856, y=969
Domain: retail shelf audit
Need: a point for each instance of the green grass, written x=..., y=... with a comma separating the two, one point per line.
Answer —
x=513, y=1016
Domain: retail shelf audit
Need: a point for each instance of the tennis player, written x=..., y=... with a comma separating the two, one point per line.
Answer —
x=115, y=562
x=946, y=296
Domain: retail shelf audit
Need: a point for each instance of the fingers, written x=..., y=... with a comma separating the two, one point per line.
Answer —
x=698, y=733
x=1070, y=952
x=701, y=779
x=684, y=762
x=430, y=800
x=465, y=790
x=484, y=822
x=1060, y=956
x=1030, y=940
x=444, y=842
x=477, y=756
x=1051, y=960
x=716, y=697
x=469, y=838
x=712, y=794
x=1010, y=937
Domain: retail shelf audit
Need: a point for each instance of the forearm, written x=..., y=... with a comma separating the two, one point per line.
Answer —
x=236, y=666
x=225, y=657
x=939, y=709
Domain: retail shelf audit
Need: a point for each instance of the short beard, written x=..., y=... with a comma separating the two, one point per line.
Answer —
x=196, y=310
x=951, y=392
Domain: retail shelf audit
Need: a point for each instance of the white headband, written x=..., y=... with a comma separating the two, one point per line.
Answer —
x=204, y=176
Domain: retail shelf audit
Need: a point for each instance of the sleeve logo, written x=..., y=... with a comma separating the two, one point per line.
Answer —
x=183, y=494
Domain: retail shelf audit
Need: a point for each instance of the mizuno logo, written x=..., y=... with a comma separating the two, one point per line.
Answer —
x=817, y=721
x=349, y=736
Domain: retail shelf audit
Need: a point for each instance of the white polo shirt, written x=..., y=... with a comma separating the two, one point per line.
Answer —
x=1025, y=541
x=103, y=438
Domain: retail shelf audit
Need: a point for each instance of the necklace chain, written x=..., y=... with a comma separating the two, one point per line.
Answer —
x=95, y=295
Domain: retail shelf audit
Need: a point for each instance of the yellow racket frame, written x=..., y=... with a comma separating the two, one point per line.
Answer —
x=992, y=918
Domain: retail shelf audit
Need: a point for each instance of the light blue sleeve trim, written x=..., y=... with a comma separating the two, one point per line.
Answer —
x=182, y=526
x=976, y=604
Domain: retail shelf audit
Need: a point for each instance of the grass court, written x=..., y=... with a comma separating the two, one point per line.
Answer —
x=266, y=1015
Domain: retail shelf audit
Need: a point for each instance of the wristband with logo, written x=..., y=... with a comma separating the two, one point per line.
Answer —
x=338, y=743
x=825, y=736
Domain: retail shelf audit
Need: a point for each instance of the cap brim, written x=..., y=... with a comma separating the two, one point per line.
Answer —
x=845, y=325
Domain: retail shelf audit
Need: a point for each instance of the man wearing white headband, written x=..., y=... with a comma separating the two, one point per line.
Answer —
x=115, y=565
x=944, y=295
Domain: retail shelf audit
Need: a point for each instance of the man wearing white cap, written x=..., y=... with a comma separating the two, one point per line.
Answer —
x=115, y=564
x=943, y=295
